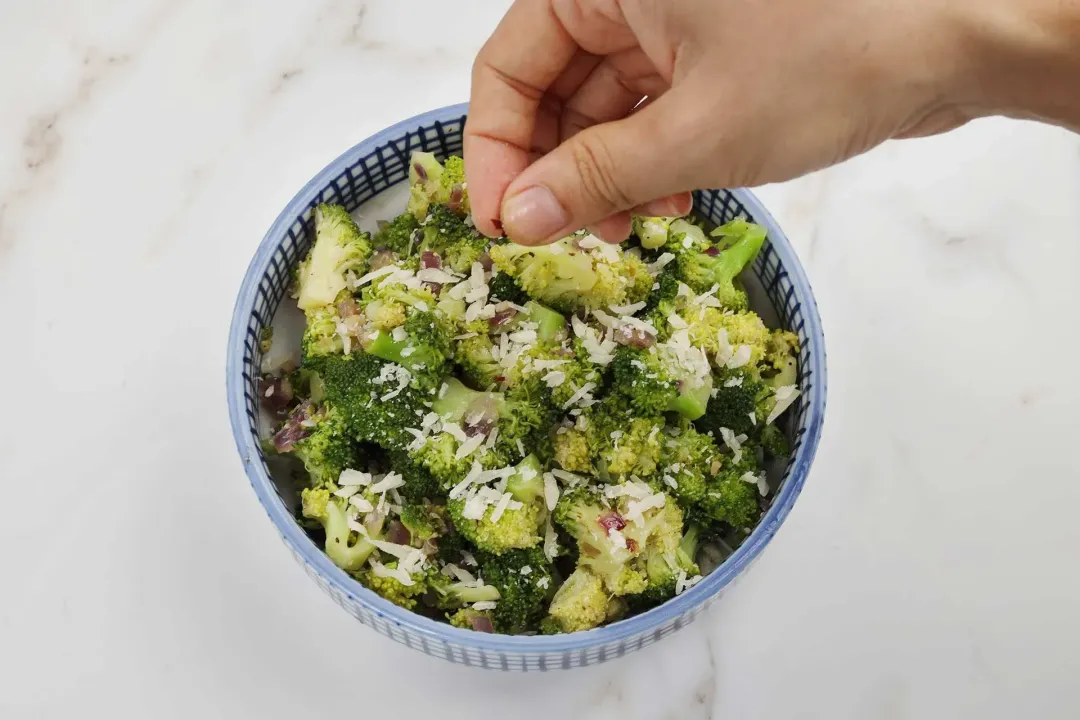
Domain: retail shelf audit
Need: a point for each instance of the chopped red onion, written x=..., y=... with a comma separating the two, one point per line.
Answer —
x=712, y=252
x=348, y=308
x=611, y=520
x=420, y=172
x=502, y=317
x=276, y=393
x=398, y=533
x=634, y=337
x=457, y=195
x=293, y=431
x=429, y=259
x=485, y=261
x=480, y=417
x=482, y=623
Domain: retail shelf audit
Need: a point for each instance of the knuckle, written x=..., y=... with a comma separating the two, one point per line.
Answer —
x=596, y=167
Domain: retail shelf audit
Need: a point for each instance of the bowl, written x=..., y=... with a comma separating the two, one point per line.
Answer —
x=363, y=178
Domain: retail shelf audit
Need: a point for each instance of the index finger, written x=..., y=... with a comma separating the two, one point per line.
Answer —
x=525, y=55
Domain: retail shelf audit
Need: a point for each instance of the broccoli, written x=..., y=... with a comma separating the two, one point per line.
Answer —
x=438, y=456
x=419, y=483
x=431, y=182
x=339, y=247
x=709, y=481
x=496, y=523
x=523, y=579
x=376, y=579
x=478, y=365
x=773, y=442
x=397, y=236
x=740, y=403
x=703, y=265
x=780, y=366
x=503, y=287
x=621, y=443
x=450, y=595
x=670, y=376
x=457, y=244
x=329, y=448
x=469, y=619
x=422, y=345
x=603, y=548
x=424, y=521
x=664, y=566
x=347, y=549
x=517, y=416
x=375, y=396
x=580, y=603
x=566, y=276
x=652, y=231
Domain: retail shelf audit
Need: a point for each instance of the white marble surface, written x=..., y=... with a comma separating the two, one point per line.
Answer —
x=928, y=571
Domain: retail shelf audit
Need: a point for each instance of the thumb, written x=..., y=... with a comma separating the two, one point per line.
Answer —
x=606, y=169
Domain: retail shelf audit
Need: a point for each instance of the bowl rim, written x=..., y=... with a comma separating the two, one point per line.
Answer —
x=440, y=632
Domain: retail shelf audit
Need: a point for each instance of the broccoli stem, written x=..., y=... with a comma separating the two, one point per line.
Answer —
x=453, y=402
x=551, y=323
x=336, y=526
x=386, y=347
x=748, y=241
x=526, y=484
x=693, y=402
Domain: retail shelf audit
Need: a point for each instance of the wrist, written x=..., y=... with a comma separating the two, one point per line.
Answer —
x=1022, y=59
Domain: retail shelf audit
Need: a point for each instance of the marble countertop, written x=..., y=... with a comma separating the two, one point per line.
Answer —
x=928, y=571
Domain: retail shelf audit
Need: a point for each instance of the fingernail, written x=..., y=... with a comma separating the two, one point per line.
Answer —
x=533, y=214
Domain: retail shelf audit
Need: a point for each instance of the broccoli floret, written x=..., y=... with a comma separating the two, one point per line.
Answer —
x=579, y=604
x=731, y=499
x=457, y=244
x=652, y=231
x=398, y=235
x=329, y=448
x=773, y=442
x=689, y=461
x=670, y=376
x=347, y=549
x=622, y=443
x=321, y=333
x=780, y=366
x=424, y=521
x=518, y=416
x=740, y=403
x=523, y=579
x=664, y=566
x=375, y=396
x=339, y=247
x=477, y=364
x=438, y=455
x=476, y=513
x=433, y=183
x=709, y=481
x=503, y=287
x=566, y=276
x=582, y=513
x=550, y=325
x=422, y=345
x=419, y=483
x=572, y=450
x=567, y=370
x=392, y=588
x=469, y=619
x=704, y=265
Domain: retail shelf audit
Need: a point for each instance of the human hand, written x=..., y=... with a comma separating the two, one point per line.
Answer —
x=739, y=93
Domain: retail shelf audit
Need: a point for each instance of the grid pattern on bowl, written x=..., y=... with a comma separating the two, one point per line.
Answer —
x=366, y=172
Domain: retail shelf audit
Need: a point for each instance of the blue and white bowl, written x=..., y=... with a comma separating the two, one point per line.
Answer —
x=357, y=179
